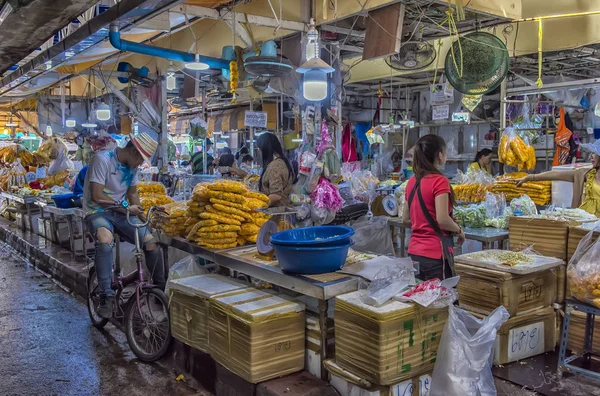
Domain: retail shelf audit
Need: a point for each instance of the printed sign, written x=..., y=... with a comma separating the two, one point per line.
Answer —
x=461, y=117
x=526, y=341
x=40, y=172
x=441, y=94
x=256, y=119
x=440, y=112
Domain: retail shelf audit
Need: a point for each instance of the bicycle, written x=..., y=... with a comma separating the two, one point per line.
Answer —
x=146, y=317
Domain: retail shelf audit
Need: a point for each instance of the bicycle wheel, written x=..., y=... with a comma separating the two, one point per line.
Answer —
x=93, y=300
x=147, y=325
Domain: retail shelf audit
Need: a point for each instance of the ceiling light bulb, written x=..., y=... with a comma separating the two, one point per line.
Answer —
x=196, y=64
x=6, y=131
x=315, y=85
x=11, y=123
x=48, y=130
x=103, y=112
x=70, y=122
x=171, y=80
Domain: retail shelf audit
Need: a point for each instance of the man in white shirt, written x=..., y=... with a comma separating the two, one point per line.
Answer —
x=111, y=178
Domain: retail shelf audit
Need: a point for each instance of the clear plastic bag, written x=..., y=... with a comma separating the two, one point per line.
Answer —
x=373, y=235
x=313, y=179
x=583, y=271
x=184, y=268
x=388, y=282
x=464, y=360
x=527, y=205
x=495, y=205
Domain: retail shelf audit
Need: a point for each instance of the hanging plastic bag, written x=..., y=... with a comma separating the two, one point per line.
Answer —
x=373, y=235
x=61, y=163
x=313, y=179
x=184, y=268
x=464, y=360
x=583, y=271
x=307, y=159
x=471, y=101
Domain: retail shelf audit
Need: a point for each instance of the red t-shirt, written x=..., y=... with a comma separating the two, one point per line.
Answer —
x=424, y=241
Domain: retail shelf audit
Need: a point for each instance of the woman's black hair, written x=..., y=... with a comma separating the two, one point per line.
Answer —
x=226, y=160
x=269, y=145
x=247, y=158
x=425, y=153
x=482, y=153
x=242, y=152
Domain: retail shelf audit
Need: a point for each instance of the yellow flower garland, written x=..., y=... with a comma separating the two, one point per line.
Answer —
x=233, y=79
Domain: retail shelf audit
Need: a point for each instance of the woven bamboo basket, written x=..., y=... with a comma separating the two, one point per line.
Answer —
x=257, y=335
x=547, y=237
x=388, y=344
x=189, y=306
x=525, y=335
x=482, y=290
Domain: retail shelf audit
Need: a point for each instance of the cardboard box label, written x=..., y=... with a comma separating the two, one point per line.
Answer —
x=424, y=385
x=403, y=389
x=526, y=341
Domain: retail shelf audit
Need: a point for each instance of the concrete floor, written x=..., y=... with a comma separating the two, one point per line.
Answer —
x=48, y=346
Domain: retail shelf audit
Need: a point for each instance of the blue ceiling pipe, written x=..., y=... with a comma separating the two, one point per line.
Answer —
x=115, y=40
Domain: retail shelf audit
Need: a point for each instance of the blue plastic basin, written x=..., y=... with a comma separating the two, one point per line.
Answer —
x=311, y=260
x=65, y=201
x=318, y=236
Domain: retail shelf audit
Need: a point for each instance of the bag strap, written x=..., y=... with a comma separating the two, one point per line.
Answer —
x=430, y=220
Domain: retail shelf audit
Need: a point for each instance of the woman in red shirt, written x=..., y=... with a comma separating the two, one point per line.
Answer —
x=431, y=238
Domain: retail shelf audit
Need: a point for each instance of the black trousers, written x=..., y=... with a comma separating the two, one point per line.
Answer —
x=432, y=268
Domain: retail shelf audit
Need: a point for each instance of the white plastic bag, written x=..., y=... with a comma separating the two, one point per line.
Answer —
x=373, y=235
x=464, y=361
x=184, y=268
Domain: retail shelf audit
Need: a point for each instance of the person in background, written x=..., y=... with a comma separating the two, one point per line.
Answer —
x=429, y=210
x=277, y=176
x=239, y=156
x=586, y=181
x=483, y=160
x=225, y=164
x=111, y=178
x=246, y=163
x=197, y=160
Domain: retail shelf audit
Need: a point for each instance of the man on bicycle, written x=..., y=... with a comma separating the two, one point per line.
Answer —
x=112, y=177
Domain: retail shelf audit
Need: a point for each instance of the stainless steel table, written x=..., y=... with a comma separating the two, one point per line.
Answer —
x=55, y=213
x=25, y=201
x=486, y=235
x=240, y=259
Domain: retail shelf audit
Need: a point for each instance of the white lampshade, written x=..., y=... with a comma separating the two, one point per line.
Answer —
x=48, y=130
x=196, y=64
x=89, y=125
x=315, y=85
x=103, y=112
x=11, y=123
x=70, y=122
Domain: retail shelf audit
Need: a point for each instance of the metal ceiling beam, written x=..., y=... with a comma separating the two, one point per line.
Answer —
x=24, y=121
x=340, y=30
x=227, y=16
x=240, y=32
x=555, y=86
x=126, y=12
x=352, y=48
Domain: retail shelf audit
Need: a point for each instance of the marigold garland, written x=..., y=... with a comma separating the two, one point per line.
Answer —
x=233, y=79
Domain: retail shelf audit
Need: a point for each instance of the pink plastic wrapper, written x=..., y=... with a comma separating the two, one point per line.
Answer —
x=327, y=196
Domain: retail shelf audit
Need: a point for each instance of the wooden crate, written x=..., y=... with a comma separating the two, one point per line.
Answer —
x=482, y=290
x=257, y=335
x=547, y=237
x=389, y=344
x=577, y=330
x=524, y=336
x=189, y=306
